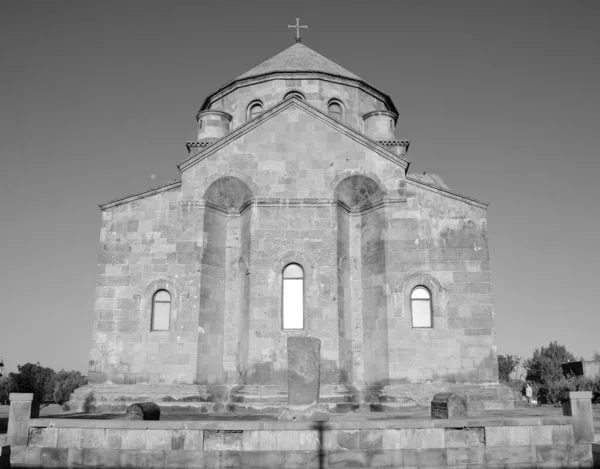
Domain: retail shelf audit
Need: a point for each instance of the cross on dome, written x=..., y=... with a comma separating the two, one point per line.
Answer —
x=297, y=26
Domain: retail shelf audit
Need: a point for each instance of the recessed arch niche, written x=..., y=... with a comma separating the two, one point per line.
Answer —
x=226, y=218
x=361, y=233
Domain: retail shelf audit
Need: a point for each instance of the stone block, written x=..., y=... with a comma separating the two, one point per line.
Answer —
x=250, y=440
x=413, y=438
x=113, y=437
x=158, y=439
x=510, y=455
x=448, y=405
x=541, y=435
x=25, y=456
x=93, y=438
x=74, y=457
x=229, y=459
x=300, y=459
x=133, y=439
x=141, y=458
x=465, y=455
x=267, y=440
x=562, y=435
x=69, y=438
x=54, y=457
x=142, y=410
x=194, y=440
x=424, y=457
x=371, y=439
x=554, y=453
x=579, y=406
x=43, y=436
x=177, y=440
x=345, y=459
x=93, y=457
x=200, y=459
x=349, y=439
x=582, y=452
x=508, y=436
x=292, y=440
x=385, y=458
x=223, y=440
x=21, y=409
x=464, y=437
x=304, y=356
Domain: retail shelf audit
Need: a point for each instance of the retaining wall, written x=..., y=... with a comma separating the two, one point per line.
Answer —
x=387, y=443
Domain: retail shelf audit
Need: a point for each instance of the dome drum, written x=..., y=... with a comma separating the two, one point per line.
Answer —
x=213, y=125
x=380, y=125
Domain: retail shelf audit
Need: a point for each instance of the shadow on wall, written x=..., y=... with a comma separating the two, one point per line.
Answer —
x=265, y=373
x=5, y=457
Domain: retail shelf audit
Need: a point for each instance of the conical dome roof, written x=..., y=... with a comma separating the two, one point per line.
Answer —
x=298, y=58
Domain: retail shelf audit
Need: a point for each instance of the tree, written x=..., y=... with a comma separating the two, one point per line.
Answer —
x=4, y=390
x=596, y=356
x=65, y=382
x=545, y=371
x=33, y=378
x=506, y=365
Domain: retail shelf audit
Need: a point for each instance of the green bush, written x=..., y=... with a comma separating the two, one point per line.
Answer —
x=548, y=392
x=544, y=372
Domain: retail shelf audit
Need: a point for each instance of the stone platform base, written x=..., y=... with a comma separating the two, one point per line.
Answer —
x=257, y=399
x=393, y=397
x=197, y=399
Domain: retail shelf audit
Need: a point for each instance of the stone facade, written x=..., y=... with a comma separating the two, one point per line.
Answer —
x=294, y=185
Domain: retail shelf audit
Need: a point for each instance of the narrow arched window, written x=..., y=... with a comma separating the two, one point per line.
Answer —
x=294, y=94
x=293, y=297
x=161, y=310
x=254, y=110
x=420, y=305
x=335, y=110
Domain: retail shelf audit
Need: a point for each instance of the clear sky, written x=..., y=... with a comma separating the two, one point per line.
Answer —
x=499, y=98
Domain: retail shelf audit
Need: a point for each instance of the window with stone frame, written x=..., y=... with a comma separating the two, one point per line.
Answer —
x=420, y=307
x=336, y=111
x=161, y=311
x=293, y=297
x=254, y=110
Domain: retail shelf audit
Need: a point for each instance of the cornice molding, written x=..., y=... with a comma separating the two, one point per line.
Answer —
x=277, y=109
x=447, y=192
x=196, y=144
x=140, y=195
x=394, y=143
x=304, y=202
x=304, y=75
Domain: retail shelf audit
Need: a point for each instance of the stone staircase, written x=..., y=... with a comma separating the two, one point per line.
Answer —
x=480, y=397
x=199, y=399
x=271, y=399
x=182, y=398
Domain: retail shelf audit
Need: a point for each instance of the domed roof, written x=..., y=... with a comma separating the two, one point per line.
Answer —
x=298, y=58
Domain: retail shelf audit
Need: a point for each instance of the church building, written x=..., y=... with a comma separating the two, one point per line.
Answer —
x=295, y=215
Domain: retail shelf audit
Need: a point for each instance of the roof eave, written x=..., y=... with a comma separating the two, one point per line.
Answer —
x=279, y=107
x=238, y=82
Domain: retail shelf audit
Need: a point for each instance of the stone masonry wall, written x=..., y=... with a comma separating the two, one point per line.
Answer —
x=318, y=93
x=533, y=442
x=295, y=189
x=146, y=245
x=439, y=242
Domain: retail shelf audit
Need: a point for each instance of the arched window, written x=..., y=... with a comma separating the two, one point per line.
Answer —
x=335, y=110
x=293, y=297
x=161, y=310
x=254, y=110
x=294, y=94
x=420, y=306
